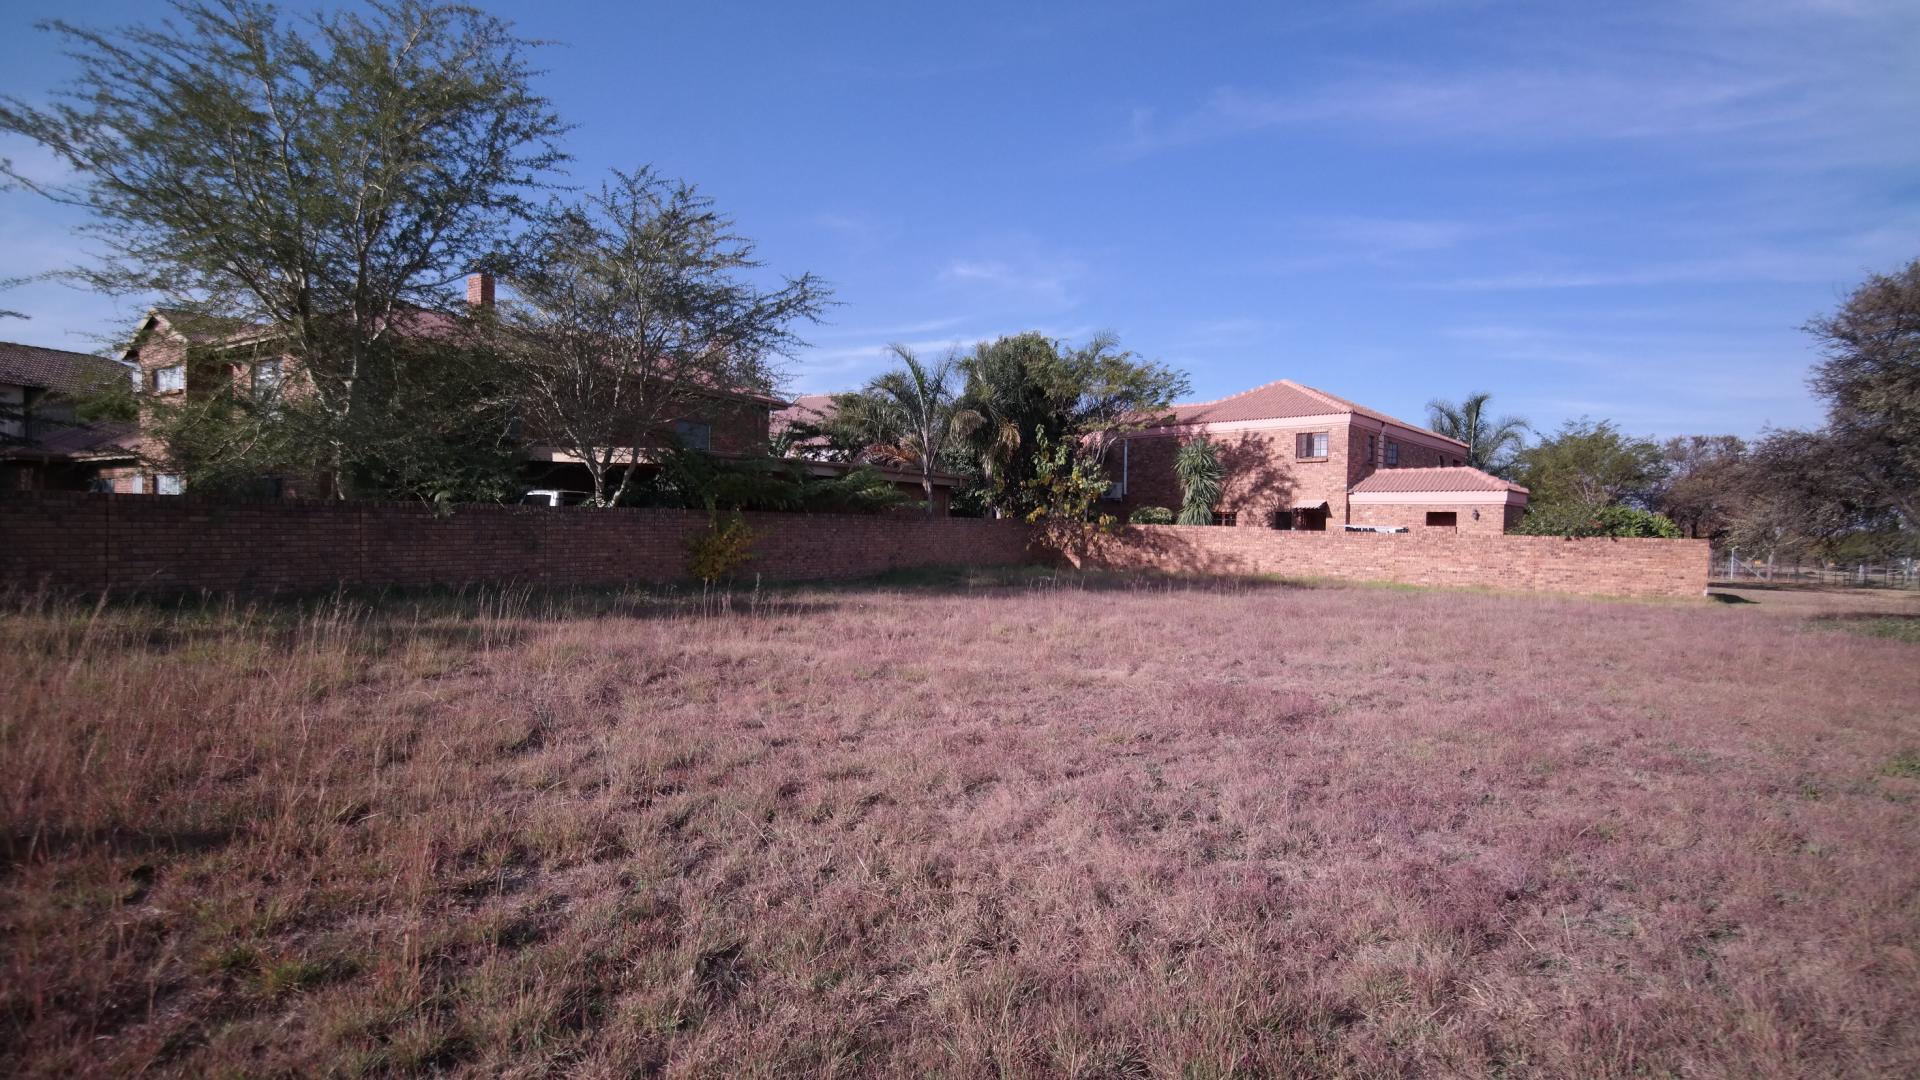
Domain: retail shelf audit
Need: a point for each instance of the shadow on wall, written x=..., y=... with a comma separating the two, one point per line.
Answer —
x=1155, y=549
x=1255, y=482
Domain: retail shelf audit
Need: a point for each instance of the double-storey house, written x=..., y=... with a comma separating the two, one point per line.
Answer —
x=1293, y=457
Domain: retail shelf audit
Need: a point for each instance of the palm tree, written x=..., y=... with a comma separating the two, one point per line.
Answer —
x=1491, y=443
x=1197, y=467
x=905, y=416
x=1007, y=405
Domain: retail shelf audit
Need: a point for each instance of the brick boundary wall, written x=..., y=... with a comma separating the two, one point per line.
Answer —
x=1592, y=566
x=180, y=544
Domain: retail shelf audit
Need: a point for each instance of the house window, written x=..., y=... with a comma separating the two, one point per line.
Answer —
x=136, y=484
x=1393, y=454
x=1117, y=490
x=1231, y=517
x=693, y=435
x=166, y=484
x=266, y=379
x=1310, y=444
x=1282, y=519
x=1442, y=519
x=1373, y=449
x=166, y=380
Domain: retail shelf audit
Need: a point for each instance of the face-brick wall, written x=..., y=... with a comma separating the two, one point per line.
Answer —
x=184, y=544
x=101, y=542
x=1413, y=515
x=1591, y=566
x=1260, y=474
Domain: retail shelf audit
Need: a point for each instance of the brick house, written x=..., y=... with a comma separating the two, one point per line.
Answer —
x=44, y=445
x=1294, y=457
x=178, y=354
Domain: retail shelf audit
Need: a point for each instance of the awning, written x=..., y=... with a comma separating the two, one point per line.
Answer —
x=1321, y=505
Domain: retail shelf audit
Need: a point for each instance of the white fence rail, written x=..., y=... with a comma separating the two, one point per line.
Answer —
x=1729, y=566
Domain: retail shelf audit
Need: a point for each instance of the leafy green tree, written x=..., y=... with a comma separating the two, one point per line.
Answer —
x=324, y=180
x=1871, y=382
x=1804, y=493
x=905, y=416
x=1021, y=387
x=1066, y=482
x=1151, y=515
x=695, y=480
x=1492, y=442
x=1574, y=519
x=1197, y=467
x=632, y=305
x=1588, y=463
x=1707, y=483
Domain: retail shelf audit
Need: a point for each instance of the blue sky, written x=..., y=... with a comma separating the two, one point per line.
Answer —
x=1616, y=210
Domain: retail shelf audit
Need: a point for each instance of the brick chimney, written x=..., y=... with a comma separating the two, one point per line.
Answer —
x=480, y=289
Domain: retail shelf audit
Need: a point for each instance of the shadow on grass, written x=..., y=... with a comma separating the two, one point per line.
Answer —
x=974, y=580
x=1727, y=598
x=477, y=617
x=26, y=846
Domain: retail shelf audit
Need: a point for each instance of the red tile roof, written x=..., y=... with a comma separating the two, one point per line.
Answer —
x=807, y=409
x=55, y=369
x=101, y=440
x=1441, y=478
x=1279, y=400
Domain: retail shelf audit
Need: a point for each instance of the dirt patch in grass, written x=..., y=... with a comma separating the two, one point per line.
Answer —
x=959, y=824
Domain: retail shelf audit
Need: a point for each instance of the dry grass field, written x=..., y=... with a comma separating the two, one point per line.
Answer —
x=1009, y=825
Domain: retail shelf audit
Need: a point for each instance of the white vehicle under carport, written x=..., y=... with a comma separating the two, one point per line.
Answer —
x=554, y=497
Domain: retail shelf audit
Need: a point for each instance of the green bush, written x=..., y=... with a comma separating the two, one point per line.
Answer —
x=1574, y=519
x=1197, y=466
x=715, y=555
x=697, y=480
x=1152, y=515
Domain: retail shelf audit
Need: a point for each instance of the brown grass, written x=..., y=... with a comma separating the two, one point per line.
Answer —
x=1014, y=825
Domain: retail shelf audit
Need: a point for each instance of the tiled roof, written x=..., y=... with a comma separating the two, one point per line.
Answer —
x=54, y=369
x=805, y=409
x=200, y=329
x=1272, y=401
x=1279, y=400
x=1441, y=478
x=88, y=440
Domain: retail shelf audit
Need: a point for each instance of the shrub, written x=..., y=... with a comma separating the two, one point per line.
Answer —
x=723, y=549
x=1197, y=466
x=1152, y=515
x=1575, y=519
x=700, y=481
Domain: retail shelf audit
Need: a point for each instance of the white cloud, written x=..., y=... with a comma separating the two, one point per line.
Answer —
x=1045, y=282
x=1798, y=86
x=1017, y=269
x=1837, y=260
